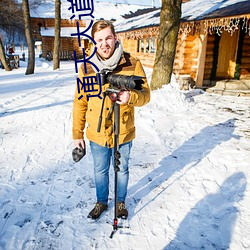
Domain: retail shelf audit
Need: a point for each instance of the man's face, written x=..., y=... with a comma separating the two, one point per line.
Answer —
x=105, y=43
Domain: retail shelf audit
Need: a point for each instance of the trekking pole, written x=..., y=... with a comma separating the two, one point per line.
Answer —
x=117, y=156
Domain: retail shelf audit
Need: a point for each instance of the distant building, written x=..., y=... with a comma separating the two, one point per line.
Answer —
x=213, y=41
x=43, y=33
x=43, y=20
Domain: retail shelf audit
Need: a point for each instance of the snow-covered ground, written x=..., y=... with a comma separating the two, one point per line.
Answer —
x=189, y=170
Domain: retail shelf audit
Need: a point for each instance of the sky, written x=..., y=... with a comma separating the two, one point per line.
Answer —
x=189, y=169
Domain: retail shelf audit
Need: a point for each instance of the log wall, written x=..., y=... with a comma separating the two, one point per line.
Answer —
x=197, y=52
x=68, y=44
x=178, y=61
x=132, y=46
x=245, y=60
x=209, y=57
x=186, y=56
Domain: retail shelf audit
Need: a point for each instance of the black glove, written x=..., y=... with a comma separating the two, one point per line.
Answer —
x=78, y=153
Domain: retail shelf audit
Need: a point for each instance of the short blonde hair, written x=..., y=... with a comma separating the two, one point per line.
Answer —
x=100, y=25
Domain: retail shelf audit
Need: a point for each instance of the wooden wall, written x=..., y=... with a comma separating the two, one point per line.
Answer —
x=245, y=61
x=178, y=61
x=186, y=55
x=187, y=50
x=187, y=58
x=199, y=55
x=131, y=46
x=209, y=59
x=68, y=44
x=48, y=44
x=212, y=57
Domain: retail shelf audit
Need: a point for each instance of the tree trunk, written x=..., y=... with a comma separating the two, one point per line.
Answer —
x=3, y=57
x=29, y=39
x=56, y=59
x=168, y=34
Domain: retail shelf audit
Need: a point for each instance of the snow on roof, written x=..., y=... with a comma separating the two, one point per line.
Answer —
x=146, y=20
x=192, y=10
x=104, y=10
x=65, y=31
x=198, y=9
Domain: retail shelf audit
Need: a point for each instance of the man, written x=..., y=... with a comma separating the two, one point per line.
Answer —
x=109, y=56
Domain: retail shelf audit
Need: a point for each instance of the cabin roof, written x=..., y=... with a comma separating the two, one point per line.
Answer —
x=194, y=10
x=65, y=31
x=208, y=9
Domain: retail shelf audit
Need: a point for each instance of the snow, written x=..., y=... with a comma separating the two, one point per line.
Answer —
x=145, y=20
x=155, y=3
x=189, y=169
x=192, y=10
x=65, y=31
x=196, y=9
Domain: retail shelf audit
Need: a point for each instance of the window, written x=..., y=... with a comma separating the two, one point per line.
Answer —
x=146, y=45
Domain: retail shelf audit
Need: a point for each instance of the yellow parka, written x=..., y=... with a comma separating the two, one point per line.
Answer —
x=89, y=111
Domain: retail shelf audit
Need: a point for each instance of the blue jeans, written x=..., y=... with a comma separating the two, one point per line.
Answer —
x=102, y=157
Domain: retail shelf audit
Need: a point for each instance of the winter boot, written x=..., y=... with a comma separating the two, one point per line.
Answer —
x=97, y=210
x=122, y=211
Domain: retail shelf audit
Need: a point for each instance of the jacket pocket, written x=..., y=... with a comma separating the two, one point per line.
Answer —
x=127, y=120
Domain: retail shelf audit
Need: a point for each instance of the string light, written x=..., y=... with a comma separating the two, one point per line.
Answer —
x=218, y=25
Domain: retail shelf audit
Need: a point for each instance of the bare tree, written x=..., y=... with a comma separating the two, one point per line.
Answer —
x=11, y=24
x=3, y=57
x=28, y=33
x=11, y=16
x=56, y=59
x=168, y=34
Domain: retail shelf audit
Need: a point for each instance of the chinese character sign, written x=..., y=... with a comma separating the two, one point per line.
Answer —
x=83, y=7
x=89, y=84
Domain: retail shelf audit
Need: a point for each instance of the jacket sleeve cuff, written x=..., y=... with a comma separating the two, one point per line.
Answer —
x=77, y=135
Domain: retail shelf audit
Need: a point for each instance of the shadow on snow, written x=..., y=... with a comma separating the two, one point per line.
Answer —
x=207, y=213
x=190, y=153
x=23, y=110
x=209, y=225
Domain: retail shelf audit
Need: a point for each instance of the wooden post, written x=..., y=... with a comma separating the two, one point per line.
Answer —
x=201, y=60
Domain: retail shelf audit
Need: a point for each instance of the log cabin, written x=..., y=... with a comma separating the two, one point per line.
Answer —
x=43, y=31
x=213, y=41
x=43, y=20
